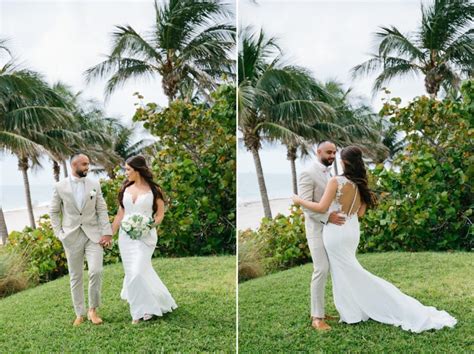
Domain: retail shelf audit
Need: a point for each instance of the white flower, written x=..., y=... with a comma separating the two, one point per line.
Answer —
x=93, y=193
x=136, y=225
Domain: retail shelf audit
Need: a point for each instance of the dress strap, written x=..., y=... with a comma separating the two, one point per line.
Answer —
x=353, y=200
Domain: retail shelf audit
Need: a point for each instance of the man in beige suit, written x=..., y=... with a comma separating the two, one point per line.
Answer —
x=79, y=219
x=312, y=184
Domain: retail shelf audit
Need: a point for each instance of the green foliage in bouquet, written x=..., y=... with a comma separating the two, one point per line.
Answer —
x=426, y=200
x=195, y=165
x=280, y=243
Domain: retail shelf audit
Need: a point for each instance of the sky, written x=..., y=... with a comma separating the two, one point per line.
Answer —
x=328, y=38
x=61, y=39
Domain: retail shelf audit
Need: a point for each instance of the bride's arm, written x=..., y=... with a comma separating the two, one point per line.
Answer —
x=324, y=203
x=160, y=212
x=362, y=210
x=117, y=220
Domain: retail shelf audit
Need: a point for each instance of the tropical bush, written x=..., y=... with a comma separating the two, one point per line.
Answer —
x=426, y=201
x=45, y=257
x=195, y=165
x=279, y=243
x=13, y=275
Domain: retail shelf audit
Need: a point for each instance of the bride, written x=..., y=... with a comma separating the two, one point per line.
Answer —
x=358, y=294
x=142, y=288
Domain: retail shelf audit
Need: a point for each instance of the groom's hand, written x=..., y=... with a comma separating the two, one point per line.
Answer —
x=336, y=218
x=106, y=241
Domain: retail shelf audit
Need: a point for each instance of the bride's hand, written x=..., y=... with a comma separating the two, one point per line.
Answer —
x=296, y=199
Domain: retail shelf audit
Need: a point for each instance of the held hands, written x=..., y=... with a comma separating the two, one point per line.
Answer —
x=106, y=241
x=296, y=199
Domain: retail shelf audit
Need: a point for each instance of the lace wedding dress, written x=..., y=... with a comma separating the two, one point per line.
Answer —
x=360, y=295
x=142, y=287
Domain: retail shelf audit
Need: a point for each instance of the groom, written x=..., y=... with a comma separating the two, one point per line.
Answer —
x=79, y=219
x=312, y=184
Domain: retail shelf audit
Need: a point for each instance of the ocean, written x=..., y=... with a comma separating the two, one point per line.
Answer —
x=13, y=196
x=278, y=186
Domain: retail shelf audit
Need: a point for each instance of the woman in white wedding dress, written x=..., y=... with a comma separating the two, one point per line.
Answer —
x=358, y=294
x=142, y=287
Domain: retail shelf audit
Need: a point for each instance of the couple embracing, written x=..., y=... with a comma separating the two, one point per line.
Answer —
x=80, y=220
x=332, y=206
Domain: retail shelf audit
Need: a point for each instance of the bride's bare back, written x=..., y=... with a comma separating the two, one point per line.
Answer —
x=348, y=196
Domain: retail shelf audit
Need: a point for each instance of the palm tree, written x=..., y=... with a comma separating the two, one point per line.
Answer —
x=275, y=101
x=123, y=144
x=442, y=49
x=191, y=42
x=88, y=133
x=28, y=109
x=359, y=124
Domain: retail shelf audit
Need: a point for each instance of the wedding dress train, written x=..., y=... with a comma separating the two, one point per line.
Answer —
x=360, y=295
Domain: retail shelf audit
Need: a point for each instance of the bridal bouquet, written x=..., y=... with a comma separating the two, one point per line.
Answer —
x=136, y=225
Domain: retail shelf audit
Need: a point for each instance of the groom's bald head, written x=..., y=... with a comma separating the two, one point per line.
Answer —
x=326, y=152
x=80, y=165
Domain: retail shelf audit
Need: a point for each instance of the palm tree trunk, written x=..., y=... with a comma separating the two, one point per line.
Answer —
x=294, y=176
x=261, y=183
x=56, y=170
x=23, y=166
x=336, y=172
x=3, y=228
x=291, y=155
x=64, y=168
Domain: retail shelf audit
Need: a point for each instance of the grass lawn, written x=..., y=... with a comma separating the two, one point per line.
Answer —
x=40, y=319
x=274, y=310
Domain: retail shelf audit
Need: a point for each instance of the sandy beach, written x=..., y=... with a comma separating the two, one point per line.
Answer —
x=250, y=214
x=17, y=219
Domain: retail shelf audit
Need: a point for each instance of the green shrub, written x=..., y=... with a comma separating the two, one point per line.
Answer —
x=426, y=201
x=280, y=243
x=44, y=252
x=250, y=258
x=13, y=275
x=195, y=165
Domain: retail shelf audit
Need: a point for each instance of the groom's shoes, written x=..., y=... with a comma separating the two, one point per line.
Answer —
x=92, y=316
x=320, y=325
x=330, y=318
x=78, y=321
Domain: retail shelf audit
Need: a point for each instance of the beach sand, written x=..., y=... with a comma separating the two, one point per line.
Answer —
x=17, y=219
x=250, y=214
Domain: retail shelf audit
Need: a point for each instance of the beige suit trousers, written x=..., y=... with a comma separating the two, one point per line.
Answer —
x=76, y=249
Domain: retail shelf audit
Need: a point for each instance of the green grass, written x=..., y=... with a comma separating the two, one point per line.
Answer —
x=274, y=310
x=40, y=319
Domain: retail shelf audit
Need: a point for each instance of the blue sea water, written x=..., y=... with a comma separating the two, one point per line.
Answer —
x=13, y=196
x=278, y=186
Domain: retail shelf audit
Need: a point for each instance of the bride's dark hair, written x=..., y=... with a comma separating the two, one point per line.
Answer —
x=138, y=163
x=354, y=170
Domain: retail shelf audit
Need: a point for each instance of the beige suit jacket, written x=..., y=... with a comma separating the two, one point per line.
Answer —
x=67, y=218
x=312, y=184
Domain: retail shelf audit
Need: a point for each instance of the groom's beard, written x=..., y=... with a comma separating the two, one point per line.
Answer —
x=327, y=162
x=81, y=173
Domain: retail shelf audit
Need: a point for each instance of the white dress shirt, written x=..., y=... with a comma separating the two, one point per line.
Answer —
x=78, y=185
